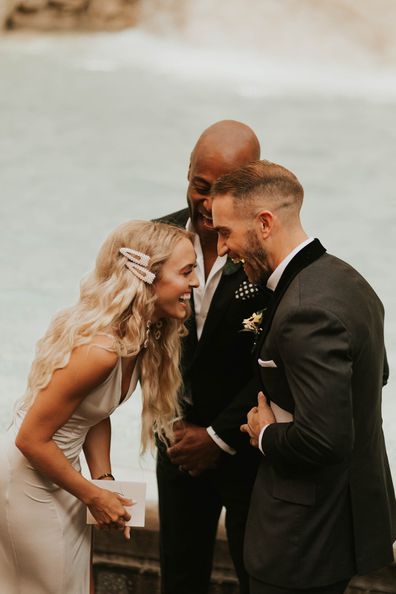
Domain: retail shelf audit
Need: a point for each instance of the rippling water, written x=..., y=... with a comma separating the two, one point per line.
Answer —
x=98, y=129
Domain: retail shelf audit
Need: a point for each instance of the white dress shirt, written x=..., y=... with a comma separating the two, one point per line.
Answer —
x=203, y=296
x=272, y=283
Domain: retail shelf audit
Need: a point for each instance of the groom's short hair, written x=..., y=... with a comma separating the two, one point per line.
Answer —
x=261, y=179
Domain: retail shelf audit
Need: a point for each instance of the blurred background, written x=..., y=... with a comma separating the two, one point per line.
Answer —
x=101, y=102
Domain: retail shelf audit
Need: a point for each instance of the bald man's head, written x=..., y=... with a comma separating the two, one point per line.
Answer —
x=221, y=148
x=230, y=139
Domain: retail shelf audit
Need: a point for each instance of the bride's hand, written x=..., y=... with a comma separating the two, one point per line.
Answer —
x=127, y=532
x=108, y=510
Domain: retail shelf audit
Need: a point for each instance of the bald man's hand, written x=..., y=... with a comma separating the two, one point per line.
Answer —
x=194, y=450
x=258, y=417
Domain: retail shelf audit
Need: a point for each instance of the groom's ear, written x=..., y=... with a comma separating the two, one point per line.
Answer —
x=265, y=220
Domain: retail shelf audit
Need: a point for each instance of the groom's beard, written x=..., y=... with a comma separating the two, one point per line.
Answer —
x=255, y=265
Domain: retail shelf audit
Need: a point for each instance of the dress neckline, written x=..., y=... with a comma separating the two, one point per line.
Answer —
x=133, y=380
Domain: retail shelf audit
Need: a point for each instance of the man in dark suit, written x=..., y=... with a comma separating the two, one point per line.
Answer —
x=323, y=505
x=210, y=465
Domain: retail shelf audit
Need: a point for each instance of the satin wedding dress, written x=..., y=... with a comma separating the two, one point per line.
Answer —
x=44, y=540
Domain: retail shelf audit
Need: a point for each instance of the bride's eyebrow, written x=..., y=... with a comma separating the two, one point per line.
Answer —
x=189, y=265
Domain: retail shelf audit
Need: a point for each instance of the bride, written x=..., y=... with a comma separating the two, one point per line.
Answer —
x=126, y=326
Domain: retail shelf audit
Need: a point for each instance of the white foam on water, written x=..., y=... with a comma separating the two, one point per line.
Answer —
x=248, y=73
x=269, y=49
x=267, y=46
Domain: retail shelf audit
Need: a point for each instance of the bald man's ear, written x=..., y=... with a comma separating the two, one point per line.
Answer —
x=189, y=171
x=266, y=221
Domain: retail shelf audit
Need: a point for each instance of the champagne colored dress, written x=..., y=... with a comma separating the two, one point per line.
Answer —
x=44, y=540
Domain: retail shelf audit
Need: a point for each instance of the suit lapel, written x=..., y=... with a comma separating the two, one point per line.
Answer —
x=301, y=260
x=229, y=281
x=228, y=285
x=178, y=218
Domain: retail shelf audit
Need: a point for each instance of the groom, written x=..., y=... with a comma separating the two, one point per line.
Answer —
x=323, y=505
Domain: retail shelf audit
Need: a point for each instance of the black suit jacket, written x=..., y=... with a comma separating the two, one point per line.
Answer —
x=323, y=505
x=218, y=366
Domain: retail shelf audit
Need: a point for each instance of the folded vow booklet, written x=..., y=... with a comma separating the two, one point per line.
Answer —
x=129, y=490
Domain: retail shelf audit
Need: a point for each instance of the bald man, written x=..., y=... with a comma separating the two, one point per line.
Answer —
x=210, y=465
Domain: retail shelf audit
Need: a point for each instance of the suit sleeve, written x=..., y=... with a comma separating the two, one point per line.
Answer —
x=227, y=423
x=315, y=350
x=385, y=374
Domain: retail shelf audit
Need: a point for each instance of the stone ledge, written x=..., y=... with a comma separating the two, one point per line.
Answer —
x=70, y=15
x=132, y=567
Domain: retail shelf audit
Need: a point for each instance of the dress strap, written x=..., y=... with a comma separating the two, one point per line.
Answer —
x=105, y=334
x=102, y=346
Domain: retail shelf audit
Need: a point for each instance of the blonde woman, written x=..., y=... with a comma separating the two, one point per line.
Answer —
x=126, y=325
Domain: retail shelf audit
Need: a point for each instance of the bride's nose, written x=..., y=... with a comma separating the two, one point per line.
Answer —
x=194, y=282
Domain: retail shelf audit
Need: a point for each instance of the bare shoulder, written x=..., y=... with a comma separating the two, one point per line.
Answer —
x=94, y=361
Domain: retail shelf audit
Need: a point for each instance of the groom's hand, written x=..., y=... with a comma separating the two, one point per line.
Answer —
x=194, y=450
x=258, y=417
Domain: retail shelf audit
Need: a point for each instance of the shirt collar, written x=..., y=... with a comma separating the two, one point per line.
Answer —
x=273, y=280
x=189, y=226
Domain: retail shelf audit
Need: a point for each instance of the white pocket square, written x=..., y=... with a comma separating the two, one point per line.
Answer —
x=269, y=363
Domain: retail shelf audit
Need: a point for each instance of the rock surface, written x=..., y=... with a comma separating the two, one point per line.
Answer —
x=132, y=567
x=66, y=15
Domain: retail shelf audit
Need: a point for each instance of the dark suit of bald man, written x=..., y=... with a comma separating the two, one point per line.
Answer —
x=215, y=368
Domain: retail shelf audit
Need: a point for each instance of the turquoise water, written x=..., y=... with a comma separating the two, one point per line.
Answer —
x=98, y=129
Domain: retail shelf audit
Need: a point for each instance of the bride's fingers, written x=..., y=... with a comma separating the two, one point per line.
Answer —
x=127, y=532
x=125, y=502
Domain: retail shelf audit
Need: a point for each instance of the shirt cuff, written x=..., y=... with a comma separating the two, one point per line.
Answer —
x=261, y=437
x=222, y=444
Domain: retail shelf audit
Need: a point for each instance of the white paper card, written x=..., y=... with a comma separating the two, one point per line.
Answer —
x=129, y=490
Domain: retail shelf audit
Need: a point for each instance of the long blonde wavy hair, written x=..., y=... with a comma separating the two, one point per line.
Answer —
x=112, y=299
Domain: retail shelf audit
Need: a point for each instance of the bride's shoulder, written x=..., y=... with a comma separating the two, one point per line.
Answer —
x=98, y=354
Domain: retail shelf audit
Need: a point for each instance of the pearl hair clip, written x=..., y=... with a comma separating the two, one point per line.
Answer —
x=137, y=262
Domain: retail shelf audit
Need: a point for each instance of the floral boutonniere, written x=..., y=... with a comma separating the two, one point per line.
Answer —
x=253, y=324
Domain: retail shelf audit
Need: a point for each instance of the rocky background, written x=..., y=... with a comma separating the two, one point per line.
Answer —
x=66, y=15
x=337, y=29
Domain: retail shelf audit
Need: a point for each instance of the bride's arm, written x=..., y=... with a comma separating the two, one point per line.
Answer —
x=97, y=449
x=97, y=454
x=88, y=367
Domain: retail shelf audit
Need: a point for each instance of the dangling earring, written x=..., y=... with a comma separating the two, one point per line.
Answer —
x=157, y=332
x=146, y=340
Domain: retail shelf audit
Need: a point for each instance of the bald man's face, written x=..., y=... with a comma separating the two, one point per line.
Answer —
x=205, y=168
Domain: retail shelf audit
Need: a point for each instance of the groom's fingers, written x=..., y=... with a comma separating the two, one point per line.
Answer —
x=254, y=442
x=253, y=411
x=262, y=401
x=266, y=414
x=245, y=428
